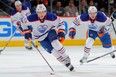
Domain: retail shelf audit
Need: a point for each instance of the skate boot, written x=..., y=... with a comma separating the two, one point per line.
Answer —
x=112, y=55
x=36, y=46
x=28, y=47
x=27, y=44
x=69, y=66
x=83, y=60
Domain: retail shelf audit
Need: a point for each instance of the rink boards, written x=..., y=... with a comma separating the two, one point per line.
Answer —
x=7, y=29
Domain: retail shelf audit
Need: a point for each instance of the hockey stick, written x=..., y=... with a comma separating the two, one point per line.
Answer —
x=113, y=17
x=52, y=73
x=100, y=56
x=10, y=38
x=114, y=28
x=8, y=41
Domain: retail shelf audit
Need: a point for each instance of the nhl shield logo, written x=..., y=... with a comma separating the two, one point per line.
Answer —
x=42, y=28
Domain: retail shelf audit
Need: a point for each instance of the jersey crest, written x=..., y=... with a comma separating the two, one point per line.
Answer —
x=93, y=26
x=42, y=28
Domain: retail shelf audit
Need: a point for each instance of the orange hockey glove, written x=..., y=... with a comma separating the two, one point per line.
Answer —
x=61, y=35
x=72, y=33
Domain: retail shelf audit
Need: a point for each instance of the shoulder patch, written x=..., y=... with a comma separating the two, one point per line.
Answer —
x=101, y=17
x=14, y=12
x=32, y=17
x=24, y=7
x=51, y=16
x=84, y=17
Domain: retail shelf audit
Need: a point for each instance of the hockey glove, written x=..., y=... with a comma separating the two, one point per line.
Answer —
x=113, y=16
x=27, y=31
x=28, y=35
x=23, y=32
x=101, y=32
x=72, y=33
x=18, y=23
x=61, y=35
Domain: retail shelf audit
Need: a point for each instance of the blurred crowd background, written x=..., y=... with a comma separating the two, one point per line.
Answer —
x=61, y=7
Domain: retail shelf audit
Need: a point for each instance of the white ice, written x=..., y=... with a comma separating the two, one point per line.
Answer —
x=19, y=62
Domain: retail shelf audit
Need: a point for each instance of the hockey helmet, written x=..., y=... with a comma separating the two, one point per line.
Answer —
x=92, y=9
x=114, y=15
x=40, y=8
x=18, y=3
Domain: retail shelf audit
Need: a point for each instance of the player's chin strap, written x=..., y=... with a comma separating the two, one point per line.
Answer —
x=8, y=41
x=41, y=55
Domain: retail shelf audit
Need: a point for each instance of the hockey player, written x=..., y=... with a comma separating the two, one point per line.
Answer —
x=18, y=15
x=50, y=31
x=98, y=26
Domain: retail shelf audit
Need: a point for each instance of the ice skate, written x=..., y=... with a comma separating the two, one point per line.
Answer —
x=69, y=66
x=112, y=55
x=28, y=47
x=83, y=60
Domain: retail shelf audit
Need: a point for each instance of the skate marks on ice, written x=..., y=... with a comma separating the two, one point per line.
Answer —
x=92, y=70
x=60, y=73
x=23, y=63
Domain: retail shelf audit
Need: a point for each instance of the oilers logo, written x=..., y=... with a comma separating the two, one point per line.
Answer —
x=42, y=28
x=93, y=26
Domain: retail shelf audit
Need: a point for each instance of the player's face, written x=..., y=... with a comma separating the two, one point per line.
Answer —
x=92, y=15
x=19, y=7
x=41, y=15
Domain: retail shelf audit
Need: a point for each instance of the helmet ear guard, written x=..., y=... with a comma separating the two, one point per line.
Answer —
x=41, y=8
x=92, y=9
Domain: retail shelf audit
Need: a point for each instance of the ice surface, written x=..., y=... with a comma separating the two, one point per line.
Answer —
x=19, y=62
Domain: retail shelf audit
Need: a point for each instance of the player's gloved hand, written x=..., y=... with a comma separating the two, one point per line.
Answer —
x=113, y=16
x=24, y=32
x=72, y=33
x=18, y=23
x=27, y=31
x=101, y=32
x=61, y=35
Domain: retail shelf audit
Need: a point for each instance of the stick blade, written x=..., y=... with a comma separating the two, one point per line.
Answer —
x=1, y=50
